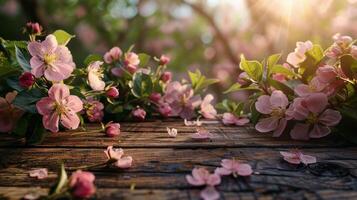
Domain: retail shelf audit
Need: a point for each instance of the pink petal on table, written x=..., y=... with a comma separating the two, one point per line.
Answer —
x=172, y=132
x=124, y=162
x=40, y=173
x=209, y=193
x=202, y=134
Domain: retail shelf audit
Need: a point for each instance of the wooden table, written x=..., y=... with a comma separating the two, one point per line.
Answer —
x=161, y=163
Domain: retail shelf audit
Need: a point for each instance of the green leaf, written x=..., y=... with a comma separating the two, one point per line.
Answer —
x=6, y=69
x=272, y=60
x=114, y=108
x=22, y=60
x=61, y=181
x=39, y=132
x=281, y=86
x=144, y=59
x=91, y=58
x=62, y=37
x=26, y=99
x=349, y=66
x=316, y=52
x=238, y=87
x=200, y=82
x=308, y=67
x=21, y=127
x=282, y=70
x=347, y=127
x=253, y=68
x=141, y=85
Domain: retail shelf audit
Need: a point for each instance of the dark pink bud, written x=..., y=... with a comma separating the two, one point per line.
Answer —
x=155, y=97
x=164, y=60
x=112, y=92
x=165, y=109
x=26, y=80
x=166, y=77
x=112, y=129
x=139, y=114
x=34, y=28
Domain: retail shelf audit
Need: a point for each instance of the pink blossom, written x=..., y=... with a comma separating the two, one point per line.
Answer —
x=39, y=173
x=112, y=92
x=59, y=106
x=193, y=123
x=112, y=55
x=201, y=134
x=234, y=167
x=26, y=80
x=166, y=77
x=181, y=100
x=164, y=109
x=121, y=161
x=9, y=114
x=94, y=110
x=50, y=59
x=200, y=177
x=312, y=110
x=139, y=114
x=164, y=60
x=340, y=46
x=95, y=75
x=82, y=184
x=298, y=56
x=131, y=61
x=33, y=28
x=274, y=106
x=155, y=97
x=112, y=129
x=207, y=109
x=229, y=118
x=243, y=78
x=172, y=132
x=342, y=40
x=315, y=85
x=297, y=157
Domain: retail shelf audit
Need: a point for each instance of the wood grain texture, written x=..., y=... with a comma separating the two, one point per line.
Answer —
x=161, y=163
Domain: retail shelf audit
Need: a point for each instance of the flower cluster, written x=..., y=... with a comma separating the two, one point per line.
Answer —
x=44, y=85
x=307, y=96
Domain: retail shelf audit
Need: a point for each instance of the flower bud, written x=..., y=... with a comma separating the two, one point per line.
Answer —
x=139, y=114
x=155, y=97
x=112, y=92
x=34, y=28
x=81, y=184
x=112, y=55
x=164, y=60
x=166, y=77
x=165, y=109
x=112, y=129
x=26, y=80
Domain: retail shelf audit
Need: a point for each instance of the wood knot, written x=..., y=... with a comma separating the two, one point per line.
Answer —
x=328, y=169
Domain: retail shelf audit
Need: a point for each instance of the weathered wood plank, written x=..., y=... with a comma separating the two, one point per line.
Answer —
x=154, y=134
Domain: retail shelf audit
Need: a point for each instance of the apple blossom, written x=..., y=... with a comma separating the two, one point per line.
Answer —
x=207, y=109
x=297, y=157
x=94, y=110
x=201, y=177
x=81, y=184
x=231, y=119
x=9, y=114
x=166, y=77
x=234, y=167
x=131, y=62
x=164, y=60
x=155, y=97
x=139, y=114
x=298, y=56
x=117, y=155
x=112, y=55
x=95, y=76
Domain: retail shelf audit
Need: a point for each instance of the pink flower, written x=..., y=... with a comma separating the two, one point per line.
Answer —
x=50, y=59
x=317, y=119
x=340, y=46
x=82, y=185
x=155, y=97
x=243, y=78
x=200, y=177
x=315, y=85
x=234, y=167
x=112, y=55
x=172, y=132
x=298, y=56
x=112, y=92
x=59, y=106
x=95, y=75
x=274, y=106
x=164, y=60
x=121, y=161
x=164, y=109
x=112, y=129
x=297, y=157
x=139, y=114
x=207, y=110
x=94, y=110
x=201, y=134
x=181, y=100
x=39, y=173
x=9, y=114
x=26, y=80
x=166, y=77
x=229, y=118
x=342, y=40
x=33, y=28
x=131, y=61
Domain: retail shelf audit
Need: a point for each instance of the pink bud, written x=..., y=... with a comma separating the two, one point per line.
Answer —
x=112, y=92
x=112, y=55
x=243, y=78
x=164, y=60
x=165, y=109
x=26, y=80
x=139, y=114
x=112, y=129
x=155, y=97
x=166, y=77
x=81, y=184
x=34, y=28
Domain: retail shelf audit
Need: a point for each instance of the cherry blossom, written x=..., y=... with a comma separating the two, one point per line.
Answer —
x=231, y=119
x=297, y=157
x=9, y=114
x=121, y=161
x=112, y=55
x=298, y=56
x=41, y=173
x=274, y=106
x=81, y=183
x=234, y=167
x=207, y=109
x=139, y=114
x=59, y=106
x=94, y=110
x=50, y=59
x=201, y=177
x=112, y=129
x=131, y=61
x=95, y=76
x=166, y=77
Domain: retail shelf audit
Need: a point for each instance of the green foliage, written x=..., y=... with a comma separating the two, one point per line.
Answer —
x=6, y=69
x=281, y=86
x=141, y=85
x=21, y=127
x=26, y=99
x=22, y=60
x=349, y=66
x=38, y=133
x=282, y=70
x=62, y=37
x=200, y=82
x=313, y=58
x=144, y=59
x=114, y=108
x=238, y=87
x=231, y=106
x=62, y=181
x=254, y=69
x=91, y=58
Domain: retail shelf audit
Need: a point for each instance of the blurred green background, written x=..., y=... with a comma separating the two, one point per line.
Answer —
x=205, y=34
